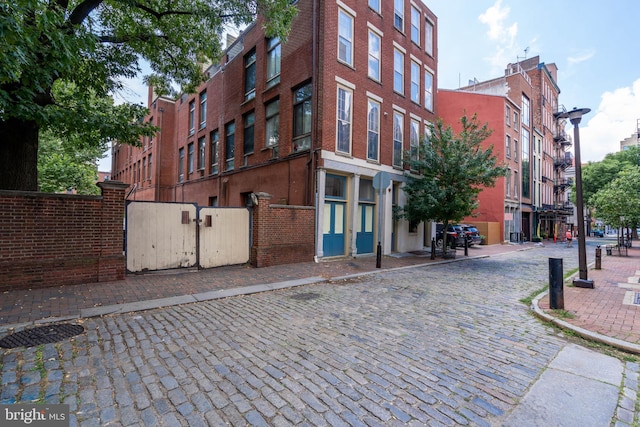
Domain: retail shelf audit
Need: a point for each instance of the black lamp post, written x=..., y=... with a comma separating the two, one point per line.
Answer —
x=575, y=116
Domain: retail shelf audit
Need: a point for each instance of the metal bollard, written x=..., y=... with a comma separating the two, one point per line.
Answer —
x=466, y=246
x=598, y=258
x=433, y=248
x=556, y=292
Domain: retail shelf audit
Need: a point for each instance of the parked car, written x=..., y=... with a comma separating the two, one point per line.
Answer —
x=598, y=233
x=455, y=233
x=472, y=234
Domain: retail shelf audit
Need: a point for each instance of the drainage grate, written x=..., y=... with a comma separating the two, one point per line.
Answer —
x=41, y=335
x=306, y=296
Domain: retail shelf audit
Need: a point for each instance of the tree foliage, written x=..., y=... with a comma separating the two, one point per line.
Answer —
x=451, y=170
x=596, y=175
x=53, y=53
x=64, y=164
x=618, y=202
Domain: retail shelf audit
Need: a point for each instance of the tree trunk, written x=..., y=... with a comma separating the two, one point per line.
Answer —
x=19, y=155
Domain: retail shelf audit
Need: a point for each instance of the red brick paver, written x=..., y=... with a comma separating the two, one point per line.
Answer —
x=602, y=309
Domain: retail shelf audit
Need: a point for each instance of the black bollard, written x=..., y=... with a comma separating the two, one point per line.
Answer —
x=466, y=246
x=433, y=248
x=598, y=258
x=556, y=293
x=379, y=256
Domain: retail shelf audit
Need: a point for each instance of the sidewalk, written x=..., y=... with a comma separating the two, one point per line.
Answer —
x=610, y=312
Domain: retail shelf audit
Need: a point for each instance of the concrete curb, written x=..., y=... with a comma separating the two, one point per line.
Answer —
x=594, y=336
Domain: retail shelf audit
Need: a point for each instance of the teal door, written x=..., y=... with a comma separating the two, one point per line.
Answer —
x=364, y=236
x=333, y=228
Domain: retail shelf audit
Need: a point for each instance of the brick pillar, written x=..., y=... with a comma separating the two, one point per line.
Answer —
x=260, y=236
x=112, y=263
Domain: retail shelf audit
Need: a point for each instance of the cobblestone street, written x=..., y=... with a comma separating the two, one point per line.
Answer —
x=444, y=344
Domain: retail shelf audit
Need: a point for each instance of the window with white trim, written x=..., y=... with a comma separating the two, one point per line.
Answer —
x=375, y=5
x=345, y=37
x=398, y=14
x=273, y=61
x=415, y=25
x=415, y=82
x=428, y=37
x=375, y=42
x=428, y=90
x=373, y=130
x=250, y=75
x=398, y=71
x=343, y=134
x=398, y=135
x=414, y=139
x=192, y=117
x=203, y=109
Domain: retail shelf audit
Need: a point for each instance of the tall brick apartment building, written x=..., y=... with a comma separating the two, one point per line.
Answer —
x=310, y=121
x=529, y=139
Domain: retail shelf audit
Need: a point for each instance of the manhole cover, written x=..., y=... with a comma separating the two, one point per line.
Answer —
x=306, y=296
x=41, y=335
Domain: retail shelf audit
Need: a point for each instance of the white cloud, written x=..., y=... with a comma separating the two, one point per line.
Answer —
x=615, y=119
x=581, y=57
x=503, y=34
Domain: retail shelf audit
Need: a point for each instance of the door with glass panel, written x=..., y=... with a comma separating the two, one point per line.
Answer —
x=365, y=218
x=334, y=216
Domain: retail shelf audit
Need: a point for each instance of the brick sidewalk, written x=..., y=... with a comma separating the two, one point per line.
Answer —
x=609, y=308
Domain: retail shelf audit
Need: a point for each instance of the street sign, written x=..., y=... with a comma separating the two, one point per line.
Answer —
x=381, y=180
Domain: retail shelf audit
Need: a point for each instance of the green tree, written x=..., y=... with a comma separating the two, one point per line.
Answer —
x=620, y=199
x=63, y=165
x=451, y=171
x=596, y=175
x=53, y=53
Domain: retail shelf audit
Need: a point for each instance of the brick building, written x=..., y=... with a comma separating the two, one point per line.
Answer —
x=309, y=121
x=520, y=108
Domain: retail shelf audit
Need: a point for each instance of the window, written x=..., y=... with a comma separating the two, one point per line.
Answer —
x=415, y=82
x=192, y=117
x=272, y=125
x=507, y=115
x=143, y=175
x=515, y=121
x=343, y=137
x=201, y=146
x=191, y=158
x=525, y=110
x=229, y=147
x=428, y=37
x=247, y=137
x=214, y=138
x=203, y=110
x=526, y=164
x=428, y=90
x=508, y=182
x=414, y=139
x=375, y=5
x=373, y=133
x=273, y=61
x=415, y=25
x=398, y=14
x=335, y=187
x=515, y=184
x=374, y=55
x=507, y=147
x=398, y=71
x=302, y=118
x=345, y=37
x=515, y=150
x=151, y=136
x=149, y=167
x=250, y=75
x=180, y=165
x=398, y=123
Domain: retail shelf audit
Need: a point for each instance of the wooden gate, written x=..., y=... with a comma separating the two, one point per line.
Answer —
x=161, y=236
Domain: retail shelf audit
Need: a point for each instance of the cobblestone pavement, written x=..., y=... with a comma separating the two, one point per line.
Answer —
x=435, y=345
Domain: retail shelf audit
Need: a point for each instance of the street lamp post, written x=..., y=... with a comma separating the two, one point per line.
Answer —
x=575, y=116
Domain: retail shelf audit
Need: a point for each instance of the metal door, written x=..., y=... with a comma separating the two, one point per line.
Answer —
x=333, y=228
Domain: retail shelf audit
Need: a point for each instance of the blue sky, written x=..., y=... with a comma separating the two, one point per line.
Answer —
x=594, y=44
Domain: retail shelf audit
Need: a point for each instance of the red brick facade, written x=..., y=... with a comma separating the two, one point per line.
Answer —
x=281, y=233
x=60, y=239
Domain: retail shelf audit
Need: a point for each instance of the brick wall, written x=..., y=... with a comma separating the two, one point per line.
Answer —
x=59, y=239
x=282, y=234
